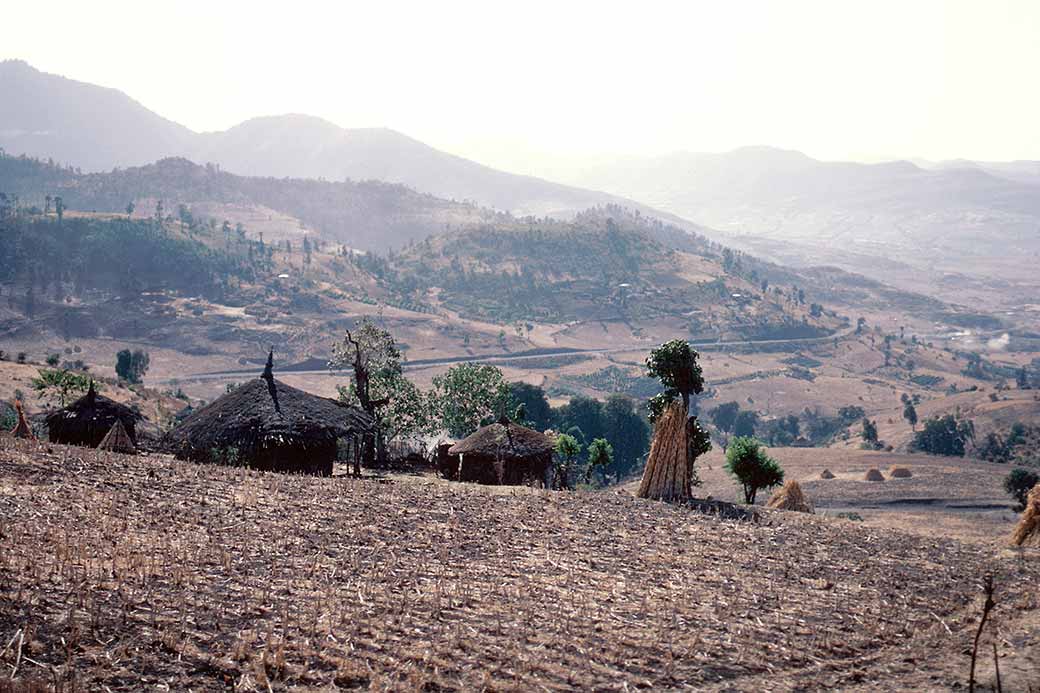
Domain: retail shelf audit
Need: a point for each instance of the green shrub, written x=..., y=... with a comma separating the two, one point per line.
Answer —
x=749, y=464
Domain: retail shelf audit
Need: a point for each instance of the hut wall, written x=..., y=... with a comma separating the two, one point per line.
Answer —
x=86, y=430
x=486, y=469
x=316, y=458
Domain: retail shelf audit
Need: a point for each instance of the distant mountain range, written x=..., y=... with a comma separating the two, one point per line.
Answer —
x=97, y=129
x=896, y=221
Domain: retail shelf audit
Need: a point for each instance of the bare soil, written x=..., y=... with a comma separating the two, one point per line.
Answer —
x=120, y=573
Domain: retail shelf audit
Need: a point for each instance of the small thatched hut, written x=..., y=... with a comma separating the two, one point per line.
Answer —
x=826, y=474
x=874, y=474
x=1027, y=531
x=89, y=419
x=790, y=497
x=22, y=428
x=268, y=425
x=118, y=440
x=899, y=473
x=501, y=453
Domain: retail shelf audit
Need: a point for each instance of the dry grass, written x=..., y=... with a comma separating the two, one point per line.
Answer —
x=125, y=573
x=1027, y=532
x=790, y=497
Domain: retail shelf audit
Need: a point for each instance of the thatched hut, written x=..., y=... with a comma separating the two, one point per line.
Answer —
x=22, y=429
x=826, y=474
x=89, y=419
x=118, y=440
x=791, y=497
x=1027, y=531
x=899, y=473
x=501, y=453
x=268, y=425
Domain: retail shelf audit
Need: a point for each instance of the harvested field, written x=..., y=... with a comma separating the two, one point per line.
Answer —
x=155, y=573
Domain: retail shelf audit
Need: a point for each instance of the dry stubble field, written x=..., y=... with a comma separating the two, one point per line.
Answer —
x=119, y=573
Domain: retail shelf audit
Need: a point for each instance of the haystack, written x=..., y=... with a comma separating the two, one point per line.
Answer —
x=826, y=474
x=89, y=419
x=667, y=473
x=118, y=440
x=873, y=475
x=268, y=425
x=900, y=473
x=790, y=497
x=22, y=428
x=500, y=453
x=1027, y=531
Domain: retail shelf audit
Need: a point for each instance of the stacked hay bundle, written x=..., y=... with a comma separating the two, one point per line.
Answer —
x=873, y=475
x=791, y=497
x=826, y=474
x=22, y=428
x=118, y=440
x=1027, y=532
x=900, y=473
x=667, y=474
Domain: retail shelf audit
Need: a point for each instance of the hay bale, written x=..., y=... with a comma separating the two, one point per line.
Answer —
x=22, y=428
x=873, y=475
x=899, y=473
x=1027, y=531
x=667, y=474
x=791, y=497
x=118, y=440
x=826, y=474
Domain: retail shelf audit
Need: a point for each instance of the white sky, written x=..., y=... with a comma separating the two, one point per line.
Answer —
x=539, y=86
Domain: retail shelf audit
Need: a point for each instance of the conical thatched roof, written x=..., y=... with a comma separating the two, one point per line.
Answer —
x=118, y=440
x=900, y=473
x=826, y=474
x=22, y=428
x=267, y=424
x=504, y=440
x=1027, y=531
x=790, y=497
x=88, y=420
x=873, y=475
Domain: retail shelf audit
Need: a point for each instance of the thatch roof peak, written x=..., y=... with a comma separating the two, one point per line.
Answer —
x=504, y=439
x=87, y=420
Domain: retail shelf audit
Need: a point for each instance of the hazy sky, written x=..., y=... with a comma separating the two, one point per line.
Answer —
x=538, y=86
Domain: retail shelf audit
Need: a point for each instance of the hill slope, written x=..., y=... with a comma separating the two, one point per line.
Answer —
x=98, y=129
x=894, y=221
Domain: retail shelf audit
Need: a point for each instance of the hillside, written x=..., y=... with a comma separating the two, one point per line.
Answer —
x=97, y=129
x=892, y=221
x=87, y=126
x=414, y=584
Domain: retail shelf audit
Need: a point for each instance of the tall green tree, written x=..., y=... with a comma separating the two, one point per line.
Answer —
x=468, y=395
x=585, y=413
x=944, y=436
x=675, y=364
x=538, y=414
x=910, y=414
x=627, y=432
x=600, y=458
x=567, y=450
x=371, y=353
x=132, y=366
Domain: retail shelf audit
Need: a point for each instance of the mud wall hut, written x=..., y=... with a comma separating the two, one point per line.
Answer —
x=500, y=453
x=89, y=419
x=268, y=425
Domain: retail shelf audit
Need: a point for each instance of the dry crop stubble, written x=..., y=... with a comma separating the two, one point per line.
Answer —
x=159, y=572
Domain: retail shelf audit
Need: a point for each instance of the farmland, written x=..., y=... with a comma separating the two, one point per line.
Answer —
x=117, y=572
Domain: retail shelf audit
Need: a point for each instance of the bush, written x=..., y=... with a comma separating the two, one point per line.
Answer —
x=944, y=436
x=749, y=464
x=1018, y=484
